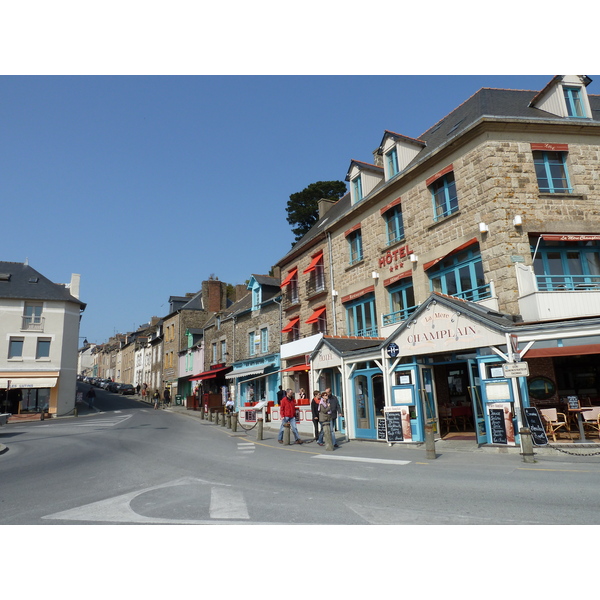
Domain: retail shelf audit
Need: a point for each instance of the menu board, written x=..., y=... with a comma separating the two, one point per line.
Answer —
x=573, y=402
x=393, y=424
x=381, y=430
x=498, y=427
x=534, y=421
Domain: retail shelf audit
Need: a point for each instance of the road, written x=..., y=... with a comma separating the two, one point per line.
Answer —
x=130, y=464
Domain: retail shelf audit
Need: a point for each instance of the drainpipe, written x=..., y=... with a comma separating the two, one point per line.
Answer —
x=332, y=286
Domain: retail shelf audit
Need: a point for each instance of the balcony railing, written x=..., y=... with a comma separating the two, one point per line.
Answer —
x=30, y=323
x=398, y=316
x=371, y=332
x=476, y=294
x=314, y=287
x=557, y=283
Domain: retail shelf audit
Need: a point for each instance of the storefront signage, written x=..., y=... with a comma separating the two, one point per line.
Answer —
x=381, y=430
x=394, y=259
x=326, y=358
x=393, y=350
x=393, y=425
x=498, y=427
x=518, y=369
x=538, y=433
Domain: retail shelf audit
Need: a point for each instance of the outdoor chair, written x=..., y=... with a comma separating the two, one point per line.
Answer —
x=555, y=421
x=591, y=419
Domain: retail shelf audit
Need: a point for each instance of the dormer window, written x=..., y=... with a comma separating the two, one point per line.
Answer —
x=397, y=152
x=573, y=100
x=391, y=161
x=363, y=178
x=357, y=190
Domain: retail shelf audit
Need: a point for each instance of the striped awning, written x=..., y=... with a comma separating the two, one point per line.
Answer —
x=256, y=370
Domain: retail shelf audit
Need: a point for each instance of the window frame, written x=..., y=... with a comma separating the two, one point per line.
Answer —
x=394, y=224
x=16, y=341
x=357, y=188
x=355, y=249
x=405, y=289
x=361, y=311
x=391, y=161
x=547, y=166
x=574, y=99
x=40, y=341
x=444, y=196
x=264, y=340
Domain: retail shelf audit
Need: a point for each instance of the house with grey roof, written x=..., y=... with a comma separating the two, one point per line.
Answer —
x=39, y=329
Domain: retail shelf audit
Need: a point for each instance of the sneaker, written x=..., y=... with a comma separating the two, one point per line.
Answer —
x=298, y=441
x=320, y=443
x=335, y=446
x=280, y=441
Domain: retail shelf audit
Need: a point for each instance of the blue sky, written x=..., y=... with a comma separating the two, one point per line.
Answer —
x=147, y=185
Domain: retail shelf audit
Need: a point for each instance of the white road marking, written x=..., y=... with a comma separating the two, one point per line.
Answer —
x=382, y=461
x=103, y=422
x=226, y=503
x=247, y=447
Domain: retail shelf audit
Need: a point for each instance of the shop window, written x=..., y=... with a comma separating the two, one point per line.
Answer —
x=551, y=171
x=460, y=275
x=562, y=265
x=445, y=199
x=361, y=319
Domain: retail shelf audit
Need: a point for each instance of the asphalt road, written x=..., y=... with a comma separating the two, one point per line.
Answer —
x=130, y=464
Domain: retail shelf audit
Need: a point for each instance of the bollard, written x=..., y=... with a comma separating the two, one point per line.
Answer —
x=526, y=445
x=42, y=416
x=223, y=420
x=217, y=415
x=234, y=422
x=75, y=412
x=202, y=413
x=259, y=430
x=228, y=420
x=327, y=436
x=429, y=441
x=286, y=434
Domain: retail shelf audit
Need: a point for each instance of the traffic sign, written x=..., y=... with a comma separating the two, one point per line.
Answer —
x=517, y=369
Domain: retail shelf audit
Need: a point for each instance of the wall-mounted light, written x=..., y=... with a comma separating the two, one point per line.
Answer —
x=334, y=293
x=518, y=220
x=375, y=275
x=413, y=258
x=483, y=228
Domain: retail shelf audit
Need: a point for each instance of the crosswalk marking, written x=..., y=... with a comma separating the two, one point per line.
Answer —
x=226, y=503
x=246, y=447
x=382, y=461
x=109, y=422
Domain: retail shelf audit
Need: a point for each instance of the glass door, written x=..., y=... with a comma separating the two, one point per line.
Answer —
x=477, y=402
x=365, y=387
x=428, y=398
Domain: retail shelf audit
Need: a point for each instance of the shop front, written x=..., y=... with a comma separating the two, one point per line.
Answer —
x=28, y=392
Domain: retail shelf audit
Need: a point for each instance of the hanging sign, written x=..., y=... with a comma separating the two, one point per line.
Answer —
x=518, y=369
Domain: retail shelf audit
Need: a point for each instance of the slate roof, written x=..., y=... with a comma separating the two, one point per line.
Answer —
x=22, y=282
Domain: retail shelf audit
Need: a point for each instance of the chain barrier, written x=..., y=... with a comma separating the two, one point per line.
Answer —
x=567, y=452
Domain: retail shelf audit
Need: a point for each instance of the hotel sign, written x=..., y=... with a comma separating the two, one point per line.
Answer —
x=326, y=358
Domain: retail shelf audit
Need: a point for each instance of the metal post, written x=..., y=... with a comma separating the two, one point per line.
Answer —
x=327, y=436
x=202, y=414
x=223, y=420
x=259, y=430
x=526, y=445
x=429, y=441
x=286, y=434
x=234, y=421
x=228, y=420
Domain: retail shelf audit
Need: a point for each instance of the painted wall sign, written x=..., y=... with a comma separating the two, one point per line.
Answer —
x=326, y=358
x=394, y=259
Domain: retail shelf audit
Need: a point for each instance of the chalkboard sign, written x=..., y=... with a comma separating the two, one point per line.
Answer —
x=498, y=426
x=393, y=424
x=573, y=402
x=534, y=422
x=381, y=430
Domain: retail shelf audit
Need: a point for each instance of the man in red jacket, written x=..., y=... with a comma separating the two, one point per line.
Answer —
x=287, y=410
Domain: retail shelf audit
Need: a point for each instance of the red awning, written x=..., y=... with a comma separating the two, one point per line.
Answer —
x=209, y=374
x=290, y=325
x=313, y=262
x=562, y=351
x=298, y=368
x=570, y=237
x=289, y=277
x=431, y=263
x=315, y=316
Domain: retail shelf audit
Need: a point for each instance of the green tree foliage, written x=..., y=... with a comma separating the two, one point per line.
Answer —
x=303, y=207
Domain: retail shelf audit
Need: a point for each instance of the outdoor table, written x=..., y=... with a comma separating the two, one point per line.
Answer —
x=582, y=438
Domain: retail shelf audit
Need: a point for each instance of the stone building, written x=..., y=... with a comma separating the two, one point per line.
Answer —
x=473, y=245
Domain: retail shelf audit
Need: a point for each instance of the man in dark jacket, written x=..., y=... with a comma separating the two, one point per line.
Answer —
x=336, y=408
x=287, y=411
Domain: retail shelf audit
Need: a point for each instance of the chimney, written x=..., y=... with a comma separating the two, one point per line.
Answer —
x=74, y=285
x=378, y=157
x=240, y=291
x=214, y=295
x=324, y=206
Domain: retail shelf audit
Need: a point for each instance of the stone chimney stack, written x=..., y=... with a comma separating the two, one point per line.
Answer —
x=214, y=295
x=240, y=291
x=324, y=206
x=74, y=285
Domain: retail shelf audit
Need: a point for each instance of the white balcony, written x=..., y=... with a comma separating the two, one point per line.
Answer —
x=562, y=296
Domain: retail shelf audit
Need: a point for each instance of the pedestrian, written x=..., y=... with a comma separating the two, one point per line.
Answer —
x=288, y=415
x=91, y=396
x=280, y=395
x=336, y=409
x=314, y=407
x=156, y=398
x=137, y=389
x=167, y=397
x=229, y=405
x=324, y=418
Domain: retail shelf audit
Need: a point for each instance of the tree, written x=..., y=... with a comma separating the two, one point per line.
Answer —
x=303, y=207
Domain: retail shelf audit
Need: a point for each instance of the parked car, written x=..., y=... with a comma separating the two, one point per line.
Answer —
x=113, y=386
x=126, y=389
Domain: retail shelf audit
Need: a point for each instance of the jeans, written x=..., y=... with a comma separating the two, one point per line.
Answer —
x=332, y=429
x=292, y=422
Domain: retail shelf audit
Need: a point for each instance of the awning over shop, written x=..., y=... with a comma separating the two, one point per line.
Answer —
x=313, y=263
x=290, y=325
x=431, y=263
x=289, y=277
x=256, y=370
x=315, y=316
x=569, y=237
x=562, y=351
x=298, y=368
x=28, y=382
x=209, y=374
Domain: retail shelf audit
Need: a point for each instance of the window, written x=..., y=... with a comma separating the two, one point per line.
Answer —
x=43, y=349
x=355, y=246
x=445, y=200
x=357, y=190
x=316, y=282
x=551, y=171
x=391, y=158
x=15, y=348
x=32, y=316
x=264, y=340
x=573, y=100
x=251, y=343
x=223, y=350
x=214, y=353
x=394, y=225
x=461, y=275
x=256, y=297
x=567, y=265
x=361, y=320
x=402, y=302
